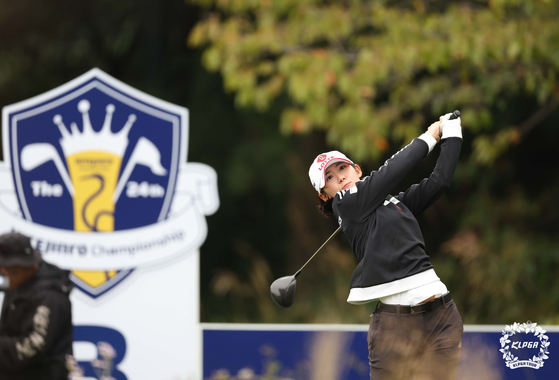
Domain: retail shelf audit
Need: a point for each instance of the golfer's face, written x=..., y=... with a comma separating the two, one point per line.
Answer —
x=340, y=176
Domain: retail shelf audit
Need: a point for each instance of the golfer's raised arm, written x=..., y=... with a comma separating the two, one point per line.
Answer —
x=373, y=189
x=420, y=196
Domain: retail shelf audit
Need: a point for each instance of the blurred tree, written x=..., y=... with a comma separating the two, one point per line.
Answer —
x=372, y=75
x=367, y=72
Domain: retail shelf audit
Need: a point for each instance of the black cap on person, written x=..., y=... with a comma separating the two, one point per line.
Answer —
x=16, y=250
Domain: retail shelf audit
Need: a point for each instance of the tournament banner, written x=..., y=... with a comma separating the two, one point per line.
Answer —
x=335, y=352
x=95, y=172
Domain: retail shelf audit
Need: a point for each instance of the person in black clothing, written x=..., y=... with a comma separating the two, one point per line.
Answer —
x=416, y=329
x=36, y=320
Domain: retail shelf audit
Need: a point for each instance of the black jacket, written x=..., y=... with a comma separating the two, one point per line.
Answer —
x=382, y=229
x=36, y=327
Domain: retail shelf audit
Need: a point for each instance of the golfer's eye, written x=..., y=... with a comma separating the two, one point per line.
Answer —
x=328, y=178
x=342, y=167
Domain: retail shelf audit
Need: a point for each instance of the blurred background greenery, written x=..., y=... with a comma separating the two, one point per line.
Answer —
x=272, y=83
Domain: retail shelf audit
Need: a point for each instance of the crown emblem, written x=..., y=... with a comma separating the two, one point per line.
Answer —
x=104, y=140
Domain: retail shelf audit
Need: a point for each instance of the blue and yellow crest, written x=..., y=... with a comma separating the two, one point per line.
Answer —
x=95, y=166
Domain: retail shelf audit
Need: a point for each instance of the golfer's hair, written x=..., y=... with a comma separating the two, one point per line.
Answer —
x=325, y=207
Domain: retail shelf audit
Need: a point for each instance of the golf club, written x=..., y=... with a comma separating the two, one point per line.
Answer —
x=283, y=289
x=455, y=115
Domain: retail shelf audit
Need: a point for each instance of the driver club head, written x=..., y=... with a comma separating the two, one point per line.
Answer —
x=283, y=290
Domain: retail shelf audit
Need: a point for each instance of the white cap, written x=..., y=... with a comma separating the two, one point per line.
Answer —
x=319, y=165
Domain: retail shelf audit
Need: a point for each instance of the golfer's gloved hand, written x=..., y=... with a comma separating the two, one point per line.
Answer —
x=450, y=128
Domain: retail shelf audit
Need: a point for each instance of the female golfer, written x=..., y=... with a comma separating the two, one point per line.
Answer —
x=416, y=329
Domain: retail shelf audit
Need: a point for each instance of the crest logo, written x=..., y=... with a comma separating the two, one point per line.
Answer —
x=95, y=172
x=321, y=158
x=533, y=343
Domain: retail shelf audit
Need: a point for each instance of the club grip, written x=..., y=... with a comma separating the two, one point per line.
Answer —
x=455, y=115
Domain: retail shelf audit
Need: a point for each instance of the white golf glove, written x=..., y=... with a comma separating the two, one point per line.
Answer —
x=450, y=128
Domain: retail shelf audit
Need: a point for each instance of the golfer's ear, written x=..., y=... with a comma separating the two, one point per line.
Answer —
x=323, y=196
x=358, y=170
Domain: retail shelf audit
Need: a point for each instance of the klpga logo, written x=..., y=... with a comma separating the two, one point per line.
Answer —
x=519, y=345
x=527, y=349
x=95, y=172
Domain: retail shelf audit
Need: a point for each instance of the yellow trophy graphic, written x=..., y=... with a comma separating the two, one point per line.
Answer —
x=94, y=161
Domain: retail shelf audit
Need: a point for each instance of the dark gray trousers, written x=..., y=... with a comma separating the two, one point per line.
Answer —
x=425, y=345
